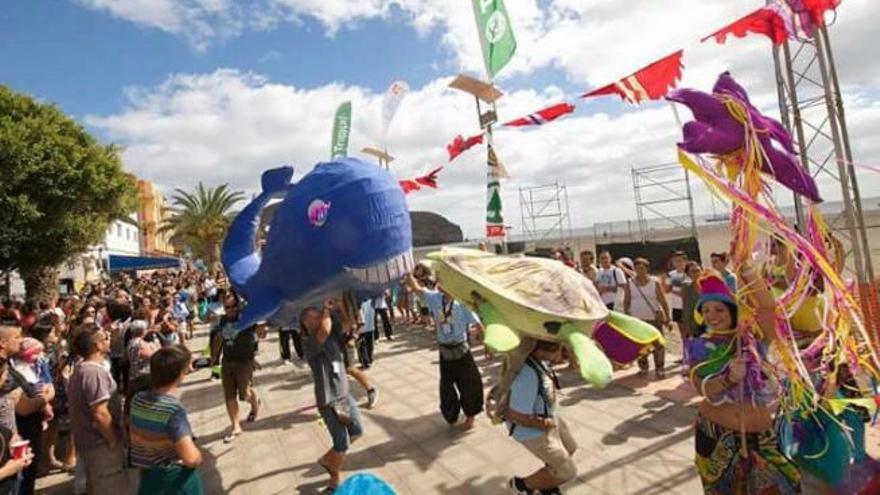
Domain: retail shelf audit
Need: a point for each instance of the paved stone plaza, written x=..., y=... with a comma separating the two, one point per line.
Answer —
x=635, y=436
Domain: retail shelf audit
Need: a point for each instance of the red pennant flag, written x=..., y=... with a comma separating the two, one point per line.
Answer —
x=649, y=83
x=459, y=145
x=762, y=21
x=815, y=8
x=427, y=180
x=408, y=185
x=541, y=117
x=430, y=179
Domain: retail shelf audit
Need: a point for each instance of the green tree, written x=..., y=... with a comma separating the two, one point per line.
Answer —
x=200, y=218
x=59, y=190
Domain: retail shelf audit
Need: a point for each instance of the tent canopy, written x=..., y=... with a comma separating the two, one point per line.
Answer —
x=118, y=263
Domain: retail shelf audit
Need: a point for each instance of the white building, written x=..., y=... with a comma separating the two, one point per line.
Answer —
x=122, y=238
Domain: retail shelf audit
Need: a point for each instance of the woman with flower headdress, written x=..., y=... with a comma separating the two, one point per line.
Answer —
x=737, y=449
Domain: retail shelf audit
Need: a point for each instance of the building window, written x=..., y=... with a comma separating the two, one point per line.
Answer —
x=118, y=230
x=127, y=234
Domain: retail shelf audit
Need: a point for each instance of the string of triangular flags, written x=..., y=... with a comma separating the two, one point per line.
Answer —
x=415, y=184
x=779, y=21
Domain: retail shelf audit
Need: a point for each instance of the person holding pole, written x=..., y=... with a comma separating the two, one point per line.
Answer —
x=737, y=450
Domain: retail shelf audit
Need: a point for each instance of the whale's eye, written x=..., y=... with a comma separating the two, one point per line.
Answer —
x=317, y=212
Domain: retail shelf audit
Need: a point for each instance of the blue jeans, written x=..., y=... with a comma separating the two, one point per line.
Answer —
x=342, y=434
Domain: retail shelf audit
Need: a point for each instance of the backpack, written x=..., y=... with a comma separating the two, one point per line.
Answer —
x=498, y=398
x=542, y=391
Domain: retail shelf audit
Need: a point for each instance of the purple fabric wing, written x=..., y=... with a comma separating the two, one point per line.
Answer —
x=715, y=131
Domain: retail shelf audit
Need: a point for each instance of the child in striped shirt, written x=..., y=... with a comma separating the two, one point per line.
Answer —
x=161, y=439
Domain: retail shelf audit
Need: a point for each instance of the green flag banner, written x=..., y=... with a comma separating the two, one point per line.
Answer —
x=341, y=130
x=496, y=34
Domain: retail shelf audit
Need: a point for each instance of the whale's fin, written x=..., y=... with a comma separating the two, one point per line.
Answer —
x=262, y=304
x=239, y=255
x=592, y=363
x=498, y=336
x=276, y=180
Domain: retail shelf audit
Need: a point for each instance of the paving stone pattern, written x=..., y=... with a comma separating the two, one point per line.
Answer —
x=634, y=436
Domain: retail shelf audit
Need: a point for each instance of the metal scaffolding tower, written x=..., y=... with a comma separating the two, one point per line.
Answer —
x=812, y=109
x=545, y=213
x=660, y=191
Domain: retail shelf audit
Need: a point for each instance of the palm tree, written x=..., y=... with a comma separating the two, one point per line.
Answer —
x=200, y=218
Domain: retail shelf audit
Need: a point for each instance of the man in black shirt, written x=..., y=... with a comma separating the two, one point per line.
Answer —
x=237, y=367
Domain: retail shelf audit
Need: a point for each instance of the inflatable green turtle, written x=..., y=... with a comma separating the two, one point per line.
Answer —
x=544, y=299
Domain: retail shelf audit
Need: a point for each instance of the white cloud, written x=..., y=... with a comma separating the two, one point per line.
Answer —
x=199, y=21
x=228, y=126
x=591, y=42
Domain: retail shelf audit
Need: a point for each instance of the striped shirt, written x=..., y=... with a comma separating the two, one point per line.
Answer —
x=157, y=422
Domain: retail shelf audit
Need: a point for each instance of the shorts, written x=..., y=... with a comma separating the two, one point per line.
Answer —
x=555, y=449
x=342, y=435
x=348, y=358
x=236, y=376
x=171, y=479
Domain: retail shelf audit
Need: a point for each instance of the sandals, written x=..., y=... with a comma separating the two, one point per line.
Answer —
x=60, y=466
x=254, y=412
x=231, y=436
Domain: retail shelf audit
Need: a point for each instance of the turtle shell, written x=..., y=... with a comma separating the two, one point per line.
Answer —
x=538, y=284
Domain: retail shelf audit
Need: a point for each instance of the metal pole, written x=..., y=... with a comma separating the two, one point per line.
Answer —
x=687, y=181
x=522, y=214
x=568, y=213
x=786, y=88
x=856, y=245
x=847, y=150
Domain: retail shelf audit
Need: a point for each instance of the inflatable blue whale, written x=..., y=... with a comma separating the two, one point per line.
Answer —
x=344, y=225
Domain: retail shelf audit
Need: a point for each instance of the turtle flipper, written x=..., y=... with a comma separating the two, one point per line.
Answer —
x=497, y=336
x=624, y=339
x=592, y=363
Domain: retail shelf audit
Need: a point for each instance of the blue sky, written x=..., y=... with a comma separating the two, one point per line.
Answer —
x=83, y=59
x=218, y=90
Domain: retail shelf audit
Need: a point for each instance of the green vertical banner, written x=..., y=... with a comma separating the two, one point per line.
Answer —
x=496, y=34
x=494, y=217
x=341, y=131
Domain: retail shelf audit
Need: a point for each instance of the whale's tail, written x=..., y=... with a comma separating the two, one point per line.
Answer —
x=239, y=255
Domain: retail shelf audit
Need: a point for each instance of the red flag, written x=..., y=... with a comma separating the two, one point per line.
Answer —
x=542, y=116
x=649, y=83
x=762, y=21
x=427, y=180
x=817, y=8
x=408, y=185
x=459, y=145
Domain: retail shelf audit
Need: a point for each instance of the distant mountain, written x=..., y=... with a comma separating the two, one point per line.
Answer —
x=431, y=229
